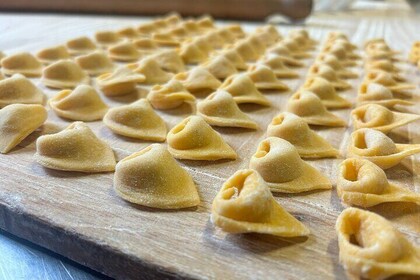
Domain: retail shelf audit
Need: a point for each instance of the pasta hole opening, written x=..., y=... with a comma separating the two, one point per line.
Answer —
x=263, y=149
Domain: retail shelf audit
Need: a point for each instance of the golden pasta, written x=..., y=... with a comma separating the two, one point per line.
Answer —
x=80, y=45
x=107, y=38
x=277, y=64
x=198, y=79
x=95, y=63
x=64, y=74
x=53, y=54
x=124, y=51
x=391, y=81
x=120, y=82
x=19, y=89
x=373, y=93
x=265, y=78
x=220, y=67
x=169, y=60
x=329, y=74
x=152, y=71
x=21, y=63
x=170, y=95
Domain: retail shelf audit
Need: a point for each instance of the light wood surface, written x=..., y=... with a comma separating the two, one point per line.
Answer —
x=80, y=216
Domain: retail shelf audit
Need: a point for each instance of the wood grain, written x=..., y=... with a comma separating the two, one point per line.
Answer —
x=81, y=217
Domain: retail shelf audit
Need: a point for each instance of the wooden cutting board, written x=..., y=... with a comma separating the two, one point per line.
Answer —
x=80, y=216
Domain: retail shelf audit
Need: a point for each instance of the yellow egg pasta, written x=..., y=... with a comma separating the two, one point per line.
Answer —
x=120, y=82
x=64, y=74
x=95, y=63
x=53, y=54
x=21, y=63
x=170, y=95
x=19, y=89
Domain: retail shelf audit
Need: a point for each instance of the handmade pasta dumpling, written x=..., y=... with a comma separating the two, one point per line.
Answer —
x=336, y=64
x=152, y=71
x=136, y=120
x=373, y=93
x=326, y=92
x=308, y=106
x=246, y=50
x=294, y=49
x=233, y=56
x=256, y=44
x=52, y=54
x=124, y=51
x=220, y=67
x=194, y=139
x=220, y=109
x=243, y=90
x=165, y=39
x=19, y=89
x=382, y=64
x=107, y=38
x=277, y=65
x=81, y=104
x=326, y=72
x=169, y=96
x=95, y=63
x=215, y=40
x=362, y=183
x=245, y=204
x=295, y=130
x=21, y=63
x=198, y=79
x=202, y=43
x=279, y=164
x=265, y=78
x=120, y=82
x=75, y=148
x=145, y=45
x=153, y=178
x=80, y=45
x=191, y=54
x=169, y=60
x=389, y=80
x=372, y=248
x=286, y=55
x=17, y=121
x=128, y=32
x=64, y=74
x=268, y=34
x=375, y=146
x=380, y=118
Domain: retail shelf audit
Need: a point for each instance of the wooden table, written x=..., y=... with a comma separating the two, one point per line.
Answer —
x=81, y=217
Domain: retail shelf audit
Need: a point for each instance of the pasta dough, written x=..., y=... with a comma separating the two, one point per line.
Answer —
x=309, y=106
x=265, y=78
x=152, y=71
x=326, y=92
x=80, y=45
x=362, y=183
x=124, y=51
x=389, y=80
x=64, y=74
x=295, y=130
x=107, y=38
x=52, y=54
x=194, y=139
x=120, y=82
x=373, y=93
x=192, y=54
x=246, y=50
x=383, y=65
x=277, y=64
x=233, y=56
x=17, y=121
x=21, y=63
x=243, y=90
x=19, y=89
x=335, y=63
x=198, y=79
x=169, y=60
x=279, y=164
x=81, y=104
x=245, y=204
x=95, y=63
x=326, y=72
x=375, y=146
x=153, y=178
x=380, y=118
x=136, y=120
x=128, y=32
x=220, y=67
x=370, y=246
x=220, y=109
x=75, y=148
x=170, y=95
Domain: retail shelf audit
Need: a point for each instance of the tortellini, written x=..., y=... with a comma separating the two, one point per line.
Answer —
x=277, y=64
x=293, y=47
x=124, y=51
x=336, y=64
x=170, y=61
x=362, y=183
x=153, y=178
x=243, y=90
x=194, y=139
x=391, y=81
x=21, y=63
x=75, y=148
x=380, y=118
x=220, y=109
x=309, y=106
x=244, y=204
x=382, y=64
x=198, y=79
x=136, y=120
x=373, y=93
x=296, y=131
x=265, y=78
x=375, y=146
x=120, y=82
x=191, y=53
x=19, y=89
x=220, y=67
x=52, y=54
x=326, y=92
x=279, y=164
x=95, y=63
x=107, y=38
x=152, y=71
x=80, y=45
x=329, y=74
x=170, y=95
x=17, y=121
x=233, y=56
x=281, y=58
x=81, y=104
x=64, y=74
x=371, y=247
x=246, y=50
